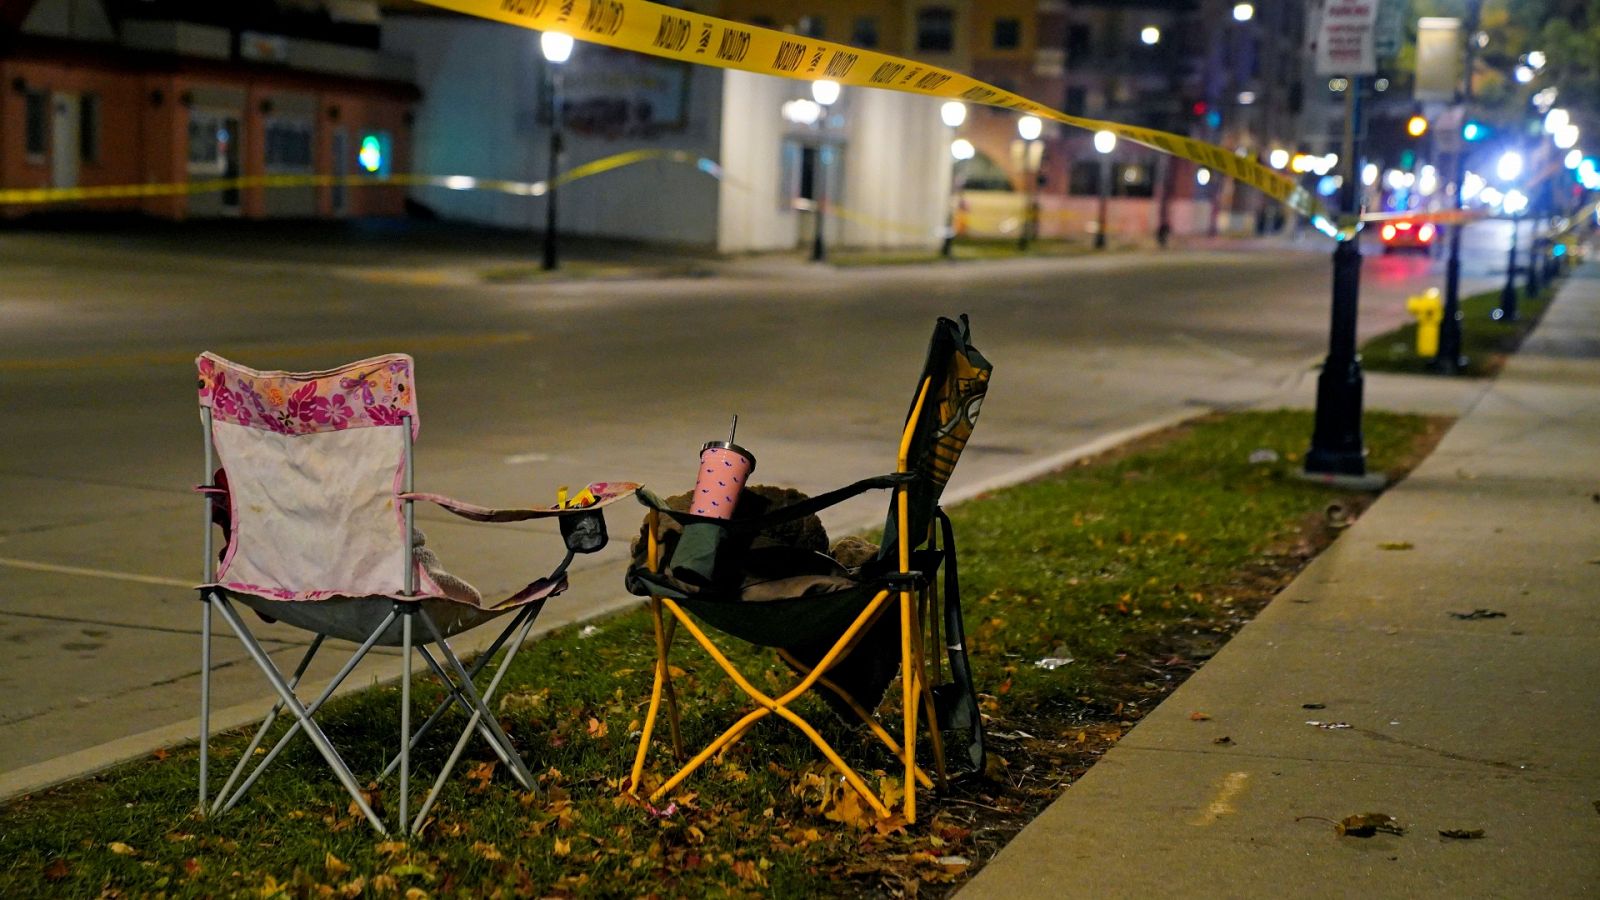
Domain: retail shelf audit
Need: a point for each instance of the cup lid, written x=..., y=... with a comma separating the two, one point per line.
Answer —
x=729, y=445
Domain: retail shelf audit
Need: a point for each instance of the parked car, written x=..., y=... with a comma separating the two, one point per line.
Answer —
x=1404, y=234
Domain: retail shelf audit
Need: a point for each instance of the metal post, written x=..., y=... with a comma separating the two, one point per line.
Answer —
x=1337, y=449
x=1535, y=249
x=550, y=239
x=1508, y=294
x=207, y=575
x=1105, y=201
x=1449, y=360
x=819, y=249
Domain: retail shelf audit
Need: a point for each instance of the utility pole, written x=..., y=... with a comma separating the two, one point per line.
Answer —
x=1449, y=360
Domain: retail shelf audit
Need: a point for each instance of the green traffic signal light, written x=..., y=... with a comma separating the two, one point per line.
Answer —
x=1474, y=131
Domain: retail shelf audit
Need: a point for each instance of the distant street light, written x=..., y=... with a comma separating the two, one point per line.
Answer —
x=1574, y=158
x=557, y=49
x=1509, y=166
x=826, y=93
x=1278, y=158
x=1202, y=177
x=1104, y=143
x=1555, y=120
x=1244, y=12
x=1150, y=35
x=1416, y=126
x=1029, y=128
x=953, y=114
x=1567, y=137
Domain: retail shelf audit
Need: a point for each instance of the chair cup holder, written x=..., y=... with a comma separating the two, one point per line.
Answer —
x=584, y=532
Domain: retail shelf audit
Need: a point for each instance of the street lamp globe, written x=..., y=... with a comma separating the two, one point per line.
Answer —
x=961, y=149
x=557, y=47
x=1567, y=137
x=1278, y=158
x=1509, y=166
x=1202, y=177
x=825, y=92
x=1555, y=120
x=1105, y=141
x=1030, y=127
x=1574, y=158
x=1150, y=35
x=953, y=113
x=1244, y=12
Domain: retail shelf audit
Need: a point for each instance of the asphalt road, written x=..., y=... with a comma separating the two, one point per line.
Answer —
x=524, y=387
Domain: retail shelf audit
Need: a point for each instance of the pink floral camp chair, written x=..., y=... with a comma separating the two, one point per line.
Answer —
x=310, y=476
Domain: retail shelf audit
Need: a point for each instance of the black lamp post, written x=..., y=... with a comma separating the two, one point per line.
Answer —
x=557, y=49
x=1508, y=169
x=1449, y=359
x=826, y=93
x=1030, y=128
x=953, y=114
x=1104, y=143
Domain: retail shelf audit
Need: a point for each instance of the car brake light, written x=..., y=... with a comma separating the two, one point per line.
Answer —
x=1388, y=232
x=1425, y=233
x=1403, y=226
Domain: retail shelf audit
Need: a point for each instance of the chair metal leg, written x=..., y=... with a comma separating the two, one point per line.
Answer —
x=489, y=721
x=205, y=693
x=672, y=694
x=266, y=723
x=311, y=710
x=524, y=619
x=919, y=663
x=909, y=697
x=457, y=696
x=656, y=687
x=312, y=729
x=406, y=616
x=864, y=715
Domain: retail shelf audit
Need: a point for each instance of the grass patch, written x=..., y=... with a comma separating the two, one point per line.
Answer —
x=1137, y=565
x=1484, y=341
x=966, y=249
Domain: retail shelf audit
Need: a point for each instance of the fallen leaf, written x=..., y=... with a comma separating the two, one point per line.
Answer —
x=121, y=849
x=1223, y=740
x=1328, y=726
x=162, y=753
x=486, y=851
x=1199, y=717
x=1479, y=614
x=390, y=848
x=1461, y=834
x=56, y=871
x=562, y=847
x=480, y=775
x=1368, y=824
x=1397, y=545
x=334, y=866
x=1313, y=706
x=597, y=728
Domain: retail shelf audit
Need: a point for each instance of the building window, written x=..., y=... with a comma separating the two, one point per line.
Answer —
x=37, y=133
x=89, y=128
x=1132, y=180
x=865, y=32
x=1007, y=34
x=813, y=26
x=1077, y=101
x=1084, y=179
x=1077, y=45
x=288, y=145
x=208, y=144
x=936, y=30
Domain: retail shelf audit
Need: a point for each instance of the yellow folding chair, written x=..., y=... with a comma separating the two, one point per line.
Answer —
x=843, y=623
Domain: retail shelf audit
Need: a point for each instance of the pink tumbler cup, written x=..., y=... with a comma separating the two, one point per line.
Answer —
x=724, y=467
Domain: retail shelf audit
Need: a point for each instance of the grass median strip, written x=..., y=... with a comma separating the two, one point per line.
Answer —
x=1090, y=594
x=1485, y=341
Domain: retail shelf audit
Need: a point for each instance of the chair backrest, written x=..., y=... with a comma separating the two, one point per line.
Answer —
x=939, y=423
x=313, y=463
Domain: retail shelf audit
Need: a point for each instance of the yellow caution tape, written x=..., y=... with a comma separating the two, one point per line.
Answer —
x=691, y=37
x=15, y=196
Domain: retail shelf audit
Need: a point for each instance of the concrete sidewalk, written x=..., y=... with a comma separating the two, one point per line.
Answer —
x=1442, y=722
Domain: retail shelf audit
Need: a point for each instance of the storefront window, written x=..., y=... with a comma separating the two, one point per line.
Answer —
x=208, y=143
x=289, y=143
x=37, y=134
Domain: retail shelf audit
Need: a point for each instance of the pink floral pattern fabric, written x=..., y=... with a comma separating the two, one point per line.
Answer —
x=376, y=391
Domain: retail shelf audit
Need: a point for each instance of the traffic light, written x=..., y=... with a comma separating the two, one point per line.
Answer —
x=1474, y=131
x=1417, y=126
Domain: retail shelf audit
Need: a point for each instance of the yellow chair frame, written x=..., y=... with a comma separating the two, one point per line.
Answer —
x=915, y=691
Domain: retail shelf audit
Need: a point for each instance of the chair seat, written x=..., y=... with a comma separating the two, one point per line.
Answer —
x=354, y=618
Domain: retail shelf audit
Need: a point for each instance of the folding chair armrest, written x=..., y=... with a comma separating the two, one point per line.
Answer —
x=604, y=492
x=797, y=510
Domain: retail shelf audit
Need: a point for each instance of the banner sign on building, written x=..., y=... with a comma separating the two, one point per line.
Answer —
x=1345, y=38
x=1390, y=32
x=1439, y=52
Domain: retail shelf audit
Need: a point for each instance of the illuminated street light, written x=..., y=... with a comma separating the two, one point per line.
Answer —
x=1509, y=166
x=557, y=49
x=825, y=92
x=1369, y=174
x=802, y=111
x=1202, y=177
x=1278, y=158
x=1029, y=128
x=1416, y=126
x=1244, y=12
x=1536, y=59
x=962, y=150
x=1555, y=120
x=953, y=113
x=1427, y=181
x=1515, y=202
x=1574, y=158
x=1150, y=35
x=1472, y=184
x=1105, y=141
x=1523, y=74
x=1567, y=137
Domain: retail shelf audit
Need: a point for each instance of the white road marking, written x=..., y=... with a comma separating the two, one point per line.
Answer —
x=95, y=573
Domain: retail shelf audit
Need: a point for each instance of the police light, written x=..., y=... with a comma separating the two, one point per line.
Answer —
x=1474, y=131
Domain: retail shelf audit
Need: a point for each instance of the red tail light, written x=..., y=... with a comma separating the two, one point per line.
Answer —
x=1426, y=232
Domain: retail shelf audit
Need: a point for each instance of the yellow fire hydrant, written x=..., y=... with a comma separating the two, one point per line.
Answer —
x=1429, y=311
